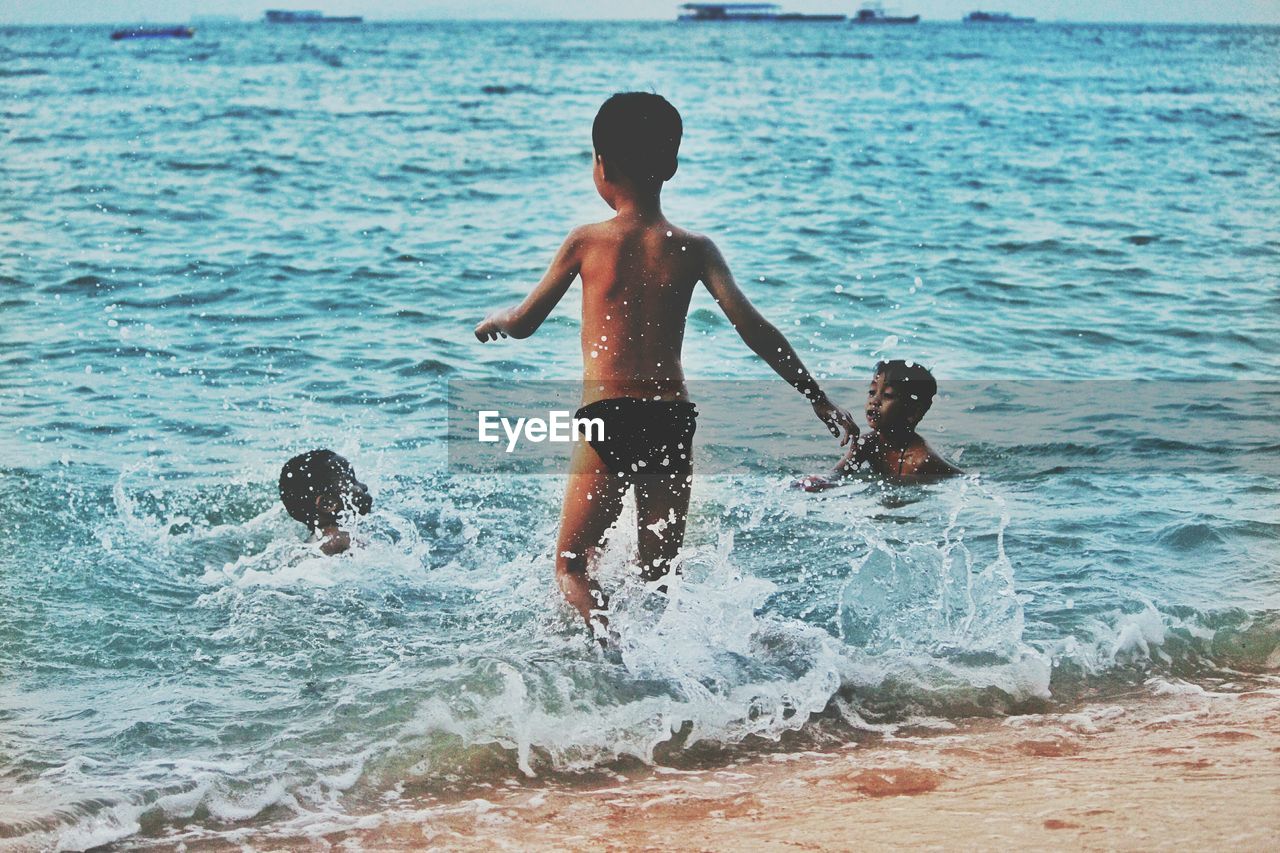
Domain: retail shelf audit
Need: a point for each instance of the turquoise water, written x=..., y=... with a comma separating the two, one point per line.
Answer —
x=220, y=252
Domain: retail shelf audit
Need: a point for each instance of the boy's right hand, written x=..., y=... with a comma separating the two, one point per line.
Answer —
x=839, y=422
x=489, y=329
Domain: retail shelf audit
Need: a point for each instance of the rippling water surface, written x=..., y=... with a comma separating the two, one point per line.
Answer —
x=222, y=251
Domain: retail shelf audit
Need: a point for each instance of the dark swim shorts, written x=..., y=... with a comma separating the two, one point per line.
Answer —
x=644, y=436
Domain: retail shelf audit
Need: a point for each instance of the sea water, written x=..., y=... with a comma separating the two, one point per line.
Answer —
x=222, y=251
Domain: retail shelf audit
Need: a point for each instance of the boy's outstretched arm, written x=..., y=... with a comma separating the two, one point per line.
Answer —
x=855, y=454
x=521, y=321
x=768, y=343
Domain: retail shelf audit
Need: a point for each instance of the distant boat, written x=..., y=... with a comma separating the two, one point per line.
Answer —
x=746, y=12
x=153, y=33
x=995, y=18
x=279, y=16
x=873, y=13
x=797, y=16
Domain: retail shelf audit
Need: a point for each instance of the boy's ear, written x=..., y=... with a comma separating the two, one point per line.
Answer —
x=675, y=164
x=921, y=409
x=328, y=504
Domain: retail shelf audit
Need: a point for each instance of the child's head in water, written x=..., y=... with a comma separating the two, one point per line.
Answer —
x=900, y=395
x=317, y=487
x=636, y=136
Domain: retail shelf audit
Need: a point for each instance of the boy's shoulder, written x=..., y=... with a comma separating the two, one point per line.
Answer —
x=693, y=239
x=929, y=463
x=610, y=231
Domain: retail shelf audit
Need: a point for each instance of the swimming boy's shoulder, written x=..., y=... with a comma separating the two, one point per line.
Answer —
x=927, y=464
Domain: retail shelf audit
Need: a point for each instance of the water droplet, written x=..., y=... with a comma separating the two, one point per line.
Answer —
x=889, y=342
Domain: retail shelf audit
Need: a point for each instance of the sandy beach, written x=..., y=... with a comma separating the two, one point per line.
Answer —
x=1190, y=769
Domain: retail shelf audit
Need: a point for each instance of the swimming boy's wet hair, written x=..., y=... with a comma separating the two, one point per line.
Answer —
x=911, y=379
x=638, y=133
x=320, y=473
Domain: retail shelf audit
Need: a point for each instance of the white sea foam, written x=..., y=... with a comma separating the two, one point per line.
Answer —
x=453, y=639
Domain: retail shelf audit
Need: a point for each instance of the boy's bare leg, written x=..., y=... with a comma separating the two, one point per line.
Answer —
x=662, y=508
x=592, y=503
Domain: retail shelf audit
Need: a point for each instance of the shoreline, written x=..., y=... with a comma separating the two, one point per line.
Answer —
x=1186, y=767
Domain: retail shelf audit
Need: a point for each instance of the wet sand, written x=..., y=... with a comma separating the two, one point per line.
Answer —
x=1186, y=769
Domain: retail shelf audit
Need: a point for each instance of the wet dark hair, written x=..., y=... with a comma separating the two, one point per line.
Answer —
x=316, y=473
x=638, y=133
x=911, y=379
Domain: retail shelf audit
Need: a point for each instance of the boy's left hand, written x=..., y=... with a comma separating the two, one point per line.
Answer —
x=489, y=330
x=336, y=543
x=838, y=421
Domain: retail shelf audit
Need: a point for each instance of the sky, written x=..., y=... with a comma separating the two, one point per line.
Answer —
x=177, y=11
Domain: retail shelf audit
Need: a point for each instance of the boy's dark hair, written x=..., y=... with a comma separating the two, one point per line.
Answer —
x=911, y=379
x=317, y=473
x=638, y=133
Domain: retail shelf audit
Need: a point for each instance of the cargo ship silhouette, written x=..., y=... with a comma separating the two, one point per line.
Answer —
x=281, y=16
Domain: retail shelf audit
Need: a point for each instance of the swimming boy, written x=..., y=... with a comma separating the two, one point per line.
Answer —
x=638, y=274
x=316, y=487
x=900, y=395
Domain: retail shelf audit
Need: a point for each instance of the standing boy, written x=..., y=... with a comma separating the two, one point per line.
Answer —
x=638, y=274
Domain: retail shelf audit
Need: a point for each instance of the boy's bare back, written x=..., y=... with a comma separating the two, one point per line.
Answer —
x=637, y=280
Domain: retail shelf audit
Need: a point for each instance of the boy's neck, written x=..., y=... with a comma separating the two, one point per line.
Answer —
x=639, y=204
x=899, y=439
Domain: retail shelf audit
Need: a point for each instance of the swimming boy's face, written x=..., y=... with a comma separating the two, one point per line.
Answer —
x=344, y=494
x=888, y=408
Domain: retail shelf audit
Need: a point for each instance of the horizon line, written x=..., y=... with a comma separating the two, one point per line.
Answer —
x=215, y=19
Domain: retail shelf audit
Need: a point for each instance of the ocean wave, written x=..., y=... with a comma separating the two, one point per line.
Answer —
x=198, y=166
x=507, y=89
x=831, y=54
x=442, y=633
x=88, y=284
